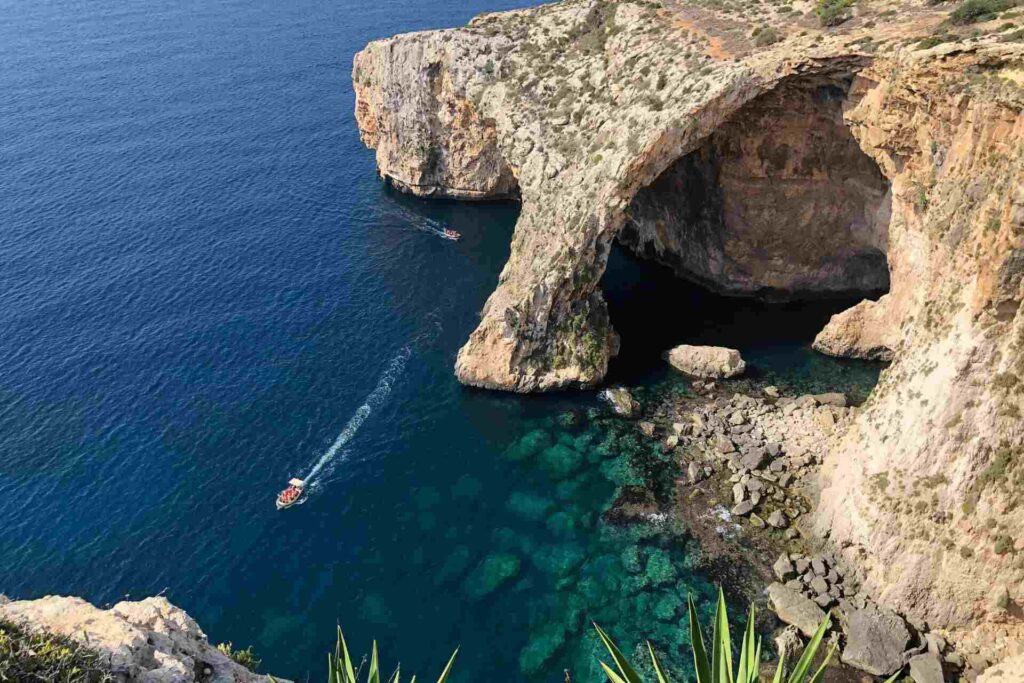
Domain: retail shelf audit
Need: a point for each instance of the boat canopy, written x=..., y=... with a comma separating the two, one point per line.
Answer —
x=296, y=482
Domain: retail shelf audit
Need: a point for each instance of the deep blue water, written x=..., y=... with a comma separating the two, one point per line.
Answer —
x=201, y=282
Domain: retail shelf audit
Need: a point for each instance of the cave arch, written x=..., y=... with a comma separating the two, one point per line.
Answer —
x=778, y=202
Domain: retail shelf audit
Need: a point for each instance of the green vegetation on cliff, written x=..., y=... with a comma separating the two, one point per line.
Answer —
x=35, y=656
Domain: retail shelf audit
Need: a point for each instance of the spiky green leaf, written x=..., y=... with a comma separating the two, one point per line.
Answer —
x=627, y=671
x=658, y=671
x=700, y=653
x=374, y=674
x=447, y=668
x=803, y=665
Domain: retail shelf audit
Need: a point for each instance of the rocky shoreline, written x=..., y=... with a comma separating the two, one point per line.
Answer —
x=750, y=464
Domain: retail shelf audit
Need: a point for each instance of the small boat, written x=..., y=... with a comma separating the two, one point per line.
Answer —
x=451, y=234
x=292, y=495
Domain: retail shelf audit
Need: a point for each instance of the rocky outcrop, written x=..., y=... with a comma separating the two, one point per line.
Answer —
x=811, y=157
x=709, y=362
x=420, y=104
x=869, y=330
x=149, y=641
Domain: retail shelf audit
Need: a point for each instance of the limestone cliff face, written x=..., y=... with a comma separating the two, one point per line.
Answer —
x=923, y=492
x=150, y=641
x=423, y=101
x=834, y=160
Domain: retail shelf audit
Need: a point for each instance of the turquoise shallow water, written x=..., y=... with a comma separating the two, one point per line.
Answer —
x=204, y=286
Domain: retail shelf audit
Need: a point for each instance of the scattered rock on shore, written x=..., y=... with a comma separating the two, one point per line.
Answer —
x=926, y=668
x=877, y=641
x=709, y=362
x=796, y=609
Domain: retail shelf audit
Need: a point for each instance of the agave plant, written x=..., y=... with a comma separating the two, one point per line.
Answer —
x=719, y=667
x=341, y=670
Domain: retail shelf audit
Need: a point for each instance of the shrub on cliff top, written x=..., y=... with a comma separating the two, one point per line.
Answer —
x=246, y=657
x=833, y=12
x=973, y=11
x=29, y=656
x=767, y=36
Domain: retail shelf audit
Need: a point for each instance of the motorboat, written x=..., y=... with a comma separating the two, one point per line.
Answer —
x=451, y=234
x=292, y=495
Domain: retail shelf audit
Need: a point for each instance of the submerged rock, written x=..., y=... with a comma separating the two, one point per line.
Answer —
x=529, y=445
x=633, y=504
x=561, y=460
x=529, y=506
x=708, y=362
x=621, y=400
x=490, y=574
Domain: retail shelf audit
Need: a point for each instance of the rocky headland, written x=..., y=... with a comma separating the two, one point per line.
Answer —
x=758, y=152
x=148, y=641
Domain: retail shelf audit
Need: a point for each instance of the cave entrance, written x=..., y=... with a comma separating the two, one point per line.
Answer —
x=753, y=240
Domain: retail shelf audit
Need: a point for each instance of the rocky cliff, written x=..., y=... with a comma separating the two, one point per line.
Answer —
x=149, y=641
x=759, y=153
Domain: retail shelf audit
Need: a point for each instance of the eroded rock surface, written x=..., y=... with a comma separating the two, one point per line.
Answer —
x=149, y=641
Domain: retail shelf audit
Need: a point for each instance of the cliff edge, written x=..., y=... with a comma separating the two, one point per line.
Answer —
x=149, y=641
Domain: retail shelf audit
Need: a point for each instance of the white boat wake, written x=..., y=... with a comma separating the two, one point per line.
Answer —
x=374, y=401
x=421, y=222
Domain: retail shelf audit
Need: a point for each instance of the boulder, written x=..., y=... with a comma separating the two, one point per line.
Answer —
x=744, y=508
x=754, y=458
x=778, y=520
x=622, y=402
x=876, y=641
x=724, y=444
x=783, y=568
x=926, y=668
x=707, y=361
x=788, y=642
x=831, y=399
x=794, y=608
x=739, y=494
